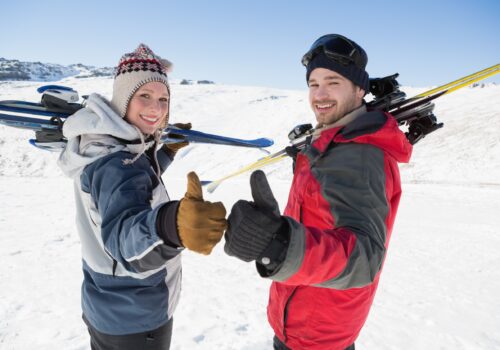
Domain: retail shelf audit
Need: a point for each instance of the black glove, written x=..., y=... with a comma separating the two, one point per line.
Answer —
x=292, y=152
x=252, y=226
x=173, y=148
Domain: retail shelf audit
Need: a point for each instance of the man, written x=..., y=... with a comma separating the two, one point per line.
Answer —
x=326, y=252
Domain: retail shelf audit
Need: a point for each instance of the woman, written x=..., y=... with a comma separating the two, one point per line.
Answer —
x=131, y=232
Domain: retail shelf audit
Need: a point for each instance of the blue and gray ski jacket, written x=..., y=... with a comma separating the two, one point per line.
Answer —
x=131, y=260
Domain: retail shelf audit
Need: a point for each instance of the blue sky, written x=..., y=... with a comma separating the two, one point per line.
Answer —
x=259, y=43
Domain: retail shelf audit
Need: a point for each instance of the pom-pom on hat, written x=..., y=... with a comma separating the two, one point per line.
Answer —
x=134, y=70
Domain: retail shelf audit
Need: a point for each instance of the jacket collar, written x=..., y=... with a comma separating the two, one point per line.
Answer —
x=339, y=123
x=376, y=128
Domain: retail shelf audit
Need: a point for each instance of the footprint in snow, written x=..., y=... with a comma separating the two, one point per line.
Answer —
x=199, y=338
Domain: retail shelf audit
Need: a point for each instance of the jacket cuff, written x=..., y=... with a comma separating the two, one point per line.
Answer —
x=271, y=259
x=166, y=224
x=293, y=254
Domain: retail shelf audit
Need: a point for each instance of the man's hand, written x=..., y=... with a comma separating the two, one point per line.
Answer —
x=252, y=225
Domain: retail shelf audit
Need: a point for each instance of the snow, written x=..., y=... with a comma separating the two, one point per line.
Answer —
x=439, y=288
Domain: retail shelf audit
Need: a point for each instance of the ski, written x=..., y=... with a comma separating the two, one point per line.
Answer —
x=298, y=139
x=37, y=109
x=416, y=113
x=59, y=102
x=270, y=159
x=22, y=122
x=56, y=101
x=449, y=87
x=198, y=136
x=467, y=80
x=50, y=130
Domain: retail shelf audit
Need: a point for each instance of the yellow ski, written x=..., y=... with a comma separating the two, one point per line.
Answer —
x=399, y=107
x=469, y=79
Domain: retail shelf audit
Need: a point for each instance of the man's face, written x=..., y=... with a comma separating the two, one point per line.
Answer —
x=332, y=96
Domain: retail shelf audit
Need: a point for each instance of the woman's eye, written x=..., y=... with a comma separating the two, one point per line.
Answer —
x=164, y=100
x=145, y=96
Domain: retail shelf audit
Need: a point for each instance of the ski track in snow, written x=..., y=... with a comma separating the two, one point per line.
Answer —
x=441, y=276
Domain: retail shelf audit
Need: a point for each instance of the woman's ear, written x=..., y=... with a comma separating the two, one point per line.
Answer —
x=165, y=121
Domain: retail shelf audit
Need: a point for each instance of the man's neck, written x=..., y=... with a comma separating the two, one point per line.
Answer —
x=346, y=119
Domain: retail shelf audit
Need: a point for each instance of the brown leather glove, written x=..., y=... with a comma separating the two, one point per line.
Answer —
x=173, y=148
x=200, y=223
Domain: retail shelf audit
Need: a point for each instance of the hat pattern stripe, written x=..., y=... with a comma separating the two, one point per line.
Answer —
x=141, y=65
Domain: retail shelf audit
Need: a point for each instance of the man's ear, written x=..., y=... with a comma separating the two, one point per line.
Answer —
x=360, y=93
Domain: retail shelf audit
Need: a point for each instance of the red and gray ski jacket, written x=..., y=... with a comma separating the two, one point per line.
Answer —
x=341, y=210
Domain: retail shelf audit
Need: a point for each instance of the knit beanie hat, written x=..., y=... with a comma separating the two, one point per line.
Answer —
x=134, y=70
x=351, y=71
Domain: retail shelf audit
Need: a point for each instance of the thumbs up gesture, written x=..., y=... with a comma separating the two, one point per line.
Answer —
x=200, y=223
x=253, y=225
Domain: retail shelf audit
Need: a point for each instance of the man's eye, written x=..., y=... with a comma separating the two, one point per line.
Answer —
x=165, y=100
x=145, y=96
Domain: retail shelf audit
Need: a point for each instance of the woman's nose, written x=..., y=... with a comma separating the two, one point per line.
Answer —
x=155, y=105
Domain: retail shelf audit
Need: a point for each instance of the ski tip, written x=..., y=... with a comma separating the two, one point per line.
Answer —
x=265, y=142
x=212, y=186
x=44, y=88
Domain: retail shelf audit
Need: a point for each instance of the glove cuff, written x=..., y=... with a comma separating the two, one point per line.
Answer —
x=166, y=224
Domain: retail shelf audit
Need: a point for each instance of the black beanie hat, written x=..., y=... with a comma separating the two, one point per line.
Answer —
x=356, y=74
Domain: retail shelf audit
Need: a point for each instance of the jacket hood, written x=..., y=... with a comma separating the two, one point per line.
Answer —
x=94, y=132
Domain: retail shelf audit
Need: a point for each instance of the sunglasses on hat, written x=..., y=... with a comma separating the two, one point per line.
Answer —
x=337, y=48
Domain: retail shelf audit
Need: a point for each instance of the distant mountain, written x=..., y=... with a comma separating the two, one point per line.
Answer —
x=37, y=71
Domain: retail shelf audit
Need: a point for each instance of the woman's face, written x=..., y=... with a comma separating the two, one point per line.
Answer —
x=148, y=108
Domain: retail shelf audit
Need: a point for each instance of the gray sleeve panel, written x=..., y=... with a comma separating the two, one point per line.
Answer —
x=156, y=256
x=295, y=253
x=154, y=259
x=352, y=180
x=123, y=196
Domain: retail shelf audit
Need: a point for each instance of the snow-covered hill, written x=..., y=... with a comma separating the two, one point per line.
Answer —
x=438, y=288
x=37, y=71
x=465, y=151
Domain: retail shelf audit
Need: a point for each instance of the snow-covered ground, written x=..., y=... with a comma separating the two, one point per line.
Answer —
x=439, y=288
